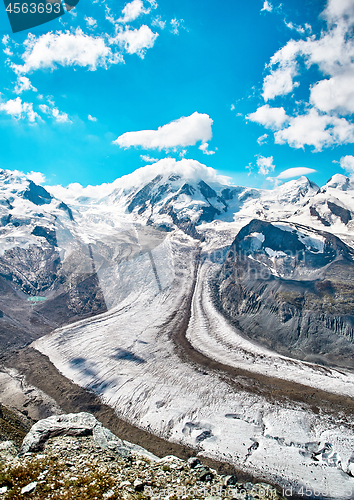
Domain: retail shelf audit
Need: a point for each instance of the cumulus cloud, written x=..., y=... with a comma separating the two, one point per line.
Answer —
x=336, y=10
x=314, y=129
x=36, y=177
x=204, y=147
x=91, y=22
x=148, y=159
x=135, y=41
x=59, y=117
x=65, y=49
x=176, y=25
x=265, y=165
x=269, y=117
x=327, y=119
x=300, y=29
x=262, y=139
x=335, y=94
x=132, y=11
x=295, y=172
x=19, y=110
x=185, y=131
x=92, y=118
x=283, y=69
x=23, y=83
x=332, y=52
x=347, y=163
x=267, y=6
x=159, y=23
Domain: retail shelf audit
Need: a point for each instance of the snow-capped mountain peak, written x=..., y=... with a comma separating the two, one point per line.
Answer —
x=339, y=181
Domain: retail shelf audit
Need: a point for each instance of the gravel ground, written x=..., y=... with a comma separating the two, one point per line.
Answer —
x=76, y=468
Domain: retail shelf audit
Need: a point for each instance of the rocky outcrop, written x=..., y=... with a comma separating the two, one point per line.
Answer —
x=79, y=424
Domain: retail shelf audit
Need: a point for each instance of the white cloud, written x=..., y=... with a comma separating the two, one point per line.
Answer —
x=267, y=6
x=36, y=177
x=148, y=159
x=159, y=23
x=91, y=22
x=296, y=27
x=314, y=129
x=23, y=83
x=204, y=147
x=6, y=40
x=331, y=98
x=19, y=110
x=55, y=113
x=335, y=94
x=60, y=117
x=135, y=41
x=273, y=118
x=347, y=163
x=283, y=69
x=295, y=172
x=92, y=118
x=332, y=52
x=249, y=168
x=232, y=107
x=262, y=139
x=176, y=25
x=265, y=165
x=65, y=49
x=132, y=11
x=336, y=10
x=185, y=131
x=44, y=108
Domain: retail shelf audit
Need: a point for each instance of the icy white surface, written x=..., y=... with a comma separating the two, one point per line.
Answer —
x=128, y=357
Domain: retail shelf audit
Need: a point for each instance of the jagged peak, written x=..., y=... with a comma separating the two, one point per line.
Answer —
x=300, y=182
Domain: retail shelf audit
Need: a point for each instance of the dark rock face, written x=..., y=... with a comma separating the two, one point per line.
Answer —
x=314, y=213
x=342, y=213
x=289, y=295
x=64, y=206
x=46, y=233
x=206, y=190
x=37, y=194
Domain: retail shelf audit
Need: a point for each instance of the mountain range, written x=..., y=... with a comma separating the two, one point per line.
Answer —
x=55, y=249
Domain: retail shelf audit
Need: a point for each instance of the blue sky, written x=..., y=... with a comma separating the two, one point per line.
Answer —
x=251, y=89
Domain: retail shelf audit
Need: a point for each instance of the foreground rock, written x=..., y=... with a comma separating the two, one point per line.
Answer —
x=79, y=424
x=72, y=465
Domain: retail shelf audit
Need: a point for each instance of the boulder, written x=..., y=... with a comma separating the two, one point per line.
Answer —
x=79, y=424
